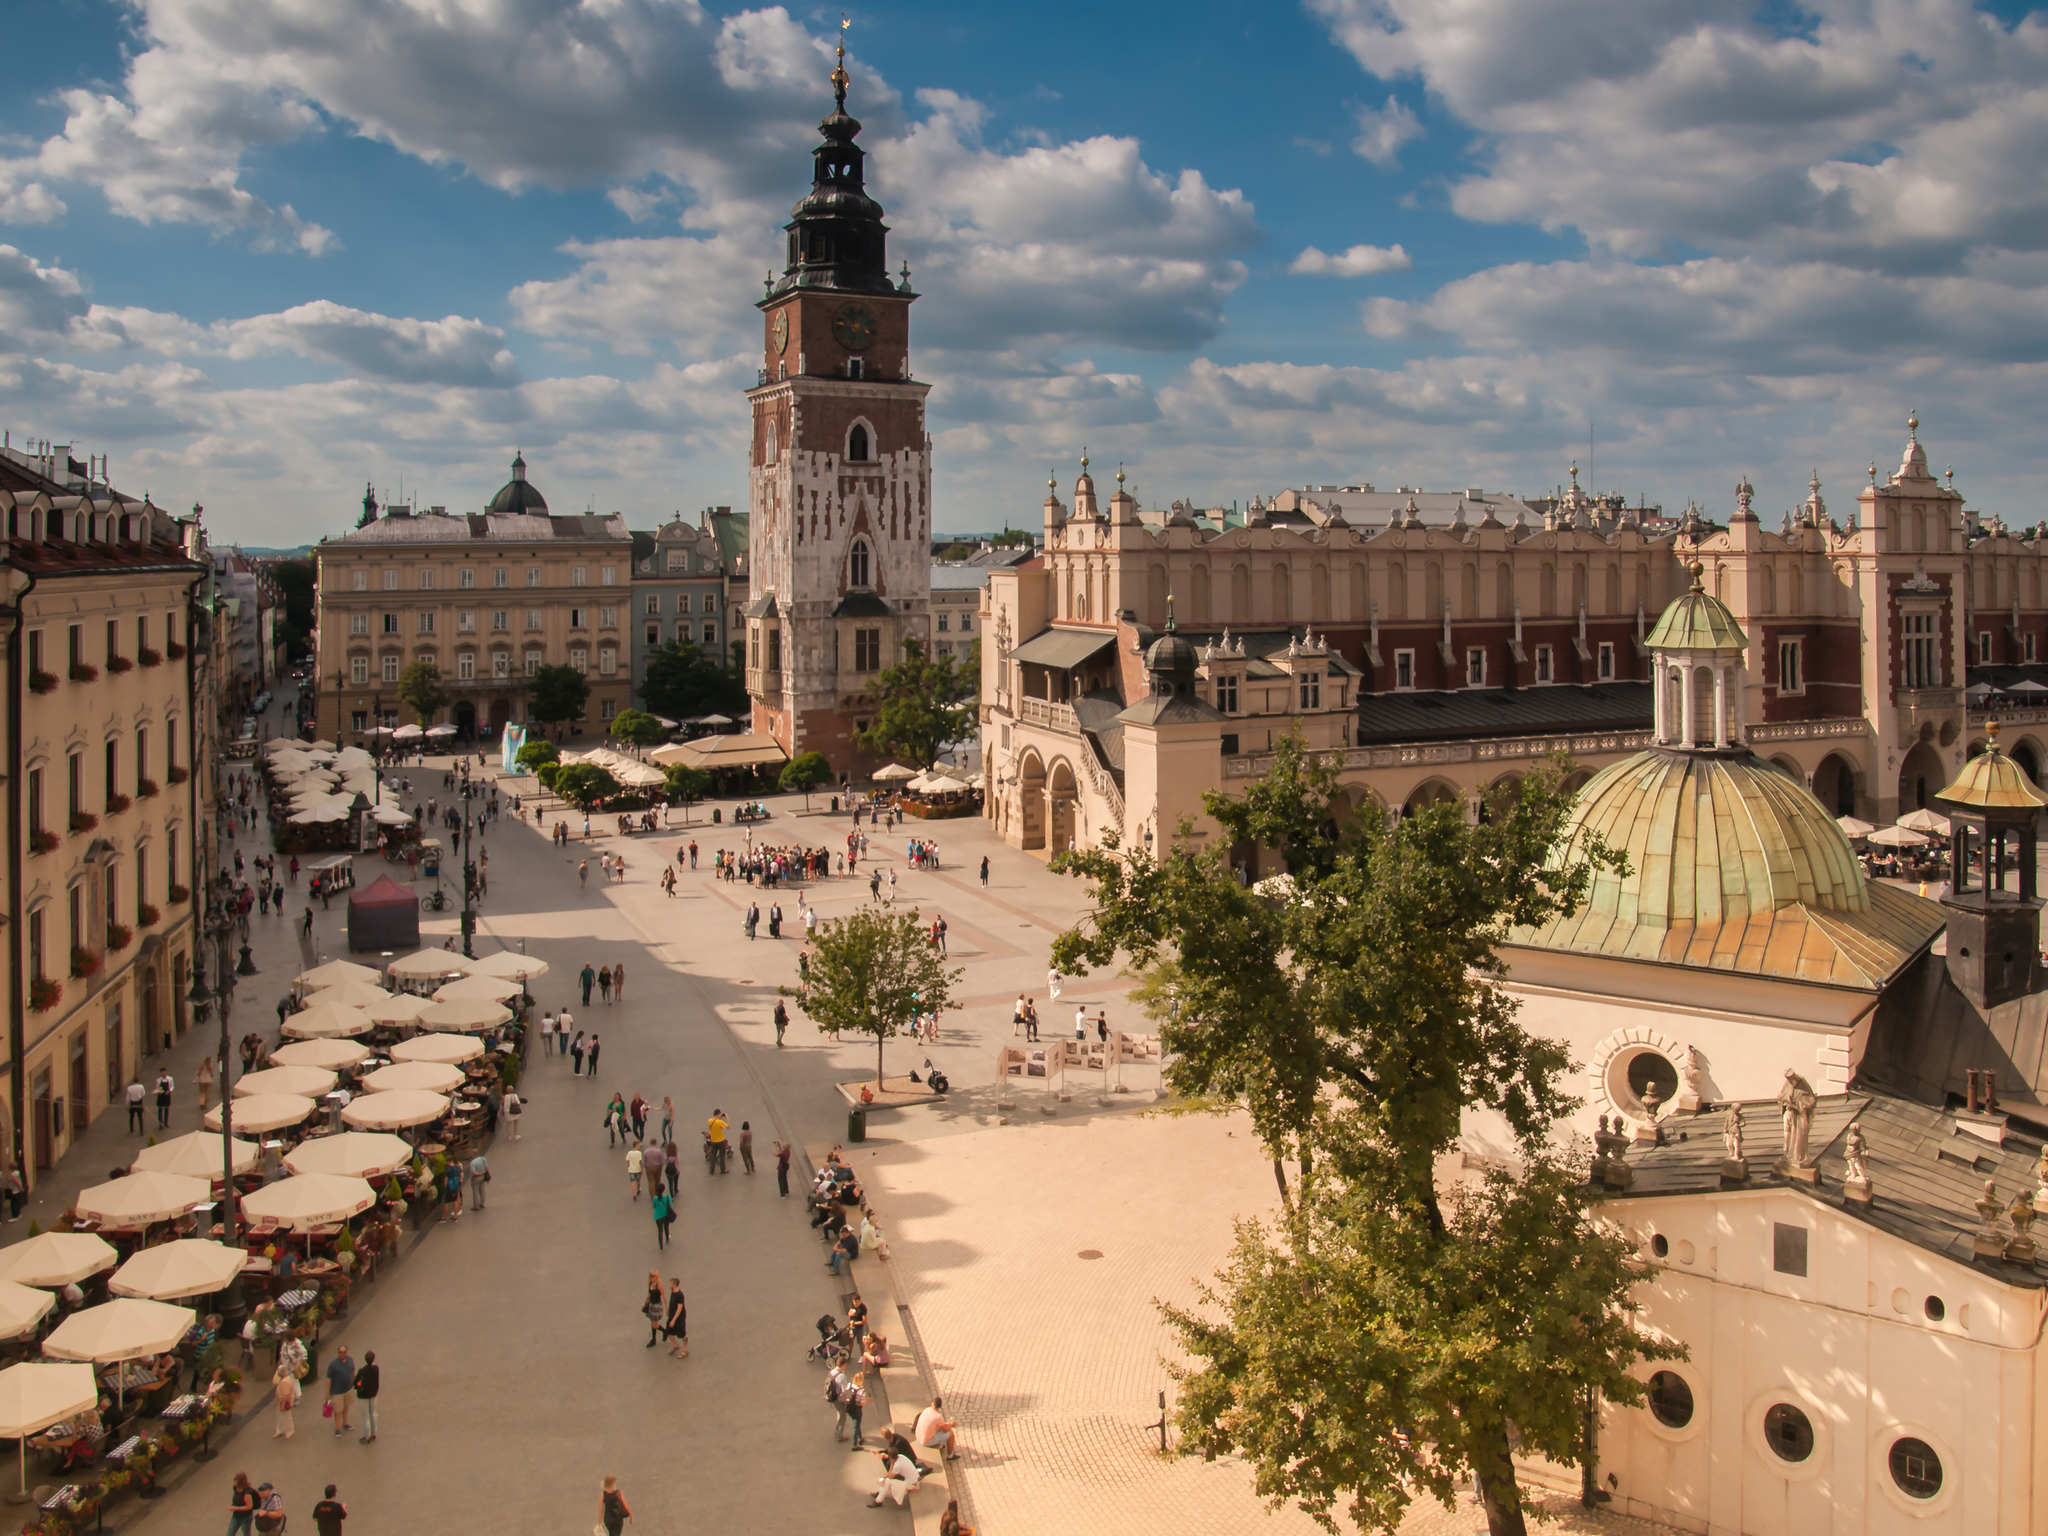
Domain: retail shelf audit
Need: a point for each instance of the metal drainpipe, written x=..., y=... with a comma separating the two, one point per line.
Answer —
x=17, y=1011
x=200, y=896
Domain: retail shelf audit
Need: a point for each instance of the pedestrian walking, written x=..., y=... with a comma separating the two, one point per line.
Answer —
x=242, y=1506
x=652, y=1161
x=515, y=1110
x=576, y=1056
x=547, y=1032
x=135, y=1098
x=369, y=1382
x=583, y=883
x=202, y=1081
x=328, y=1514
x=782, y=1168
x=984, y=871
x=451, y=1192
x=714, y=1141
x=604, y=983
x=662, y=1208
x=654, y=1308
x=1030, y=1021
x=636, y=1161
x=638, y=1111
x=673, y=1166
x=479, y=1176
x=590, y=1053
x=781, y=1022
x=614, y=1121
x=747, y=1144
x=341, y=1385
x=613, y=1511
x=1052, y=984
x=619, y=982
x=284, y=1395
x=163, y=1100
x=588, y=976
x=856, y=1402
x=676, y=1322
x=839, y=1393
x=668, y=1120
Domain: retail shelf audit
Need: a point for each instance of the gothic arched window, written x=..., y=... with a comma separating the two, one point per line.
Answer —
x=857, y=574
x=857, y=444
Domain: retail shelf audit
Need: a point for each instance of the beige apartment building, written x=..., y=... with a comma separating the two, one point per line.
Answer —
x=106, y=818
x=490, y=598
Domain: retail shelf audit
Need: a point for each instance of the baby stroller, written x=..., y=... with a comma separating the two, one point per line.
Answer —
x=835, y=1341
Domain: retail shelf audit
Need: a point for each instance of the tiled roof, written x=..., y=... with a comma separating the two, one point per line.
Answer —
x=1461, y=714
x=496, y=528
x=1928, y=1035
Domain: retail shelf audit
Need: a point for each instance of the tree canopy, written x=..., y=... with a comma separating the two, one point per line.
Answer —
x=682, y=782
x=584, y=785
x=683, y=681
x=637, y=728
x=536, y=752
x=419, y=687
x=804, y=773
x=921, y=704
x=1357, y=1015
x=873, y=972
x=557, y=694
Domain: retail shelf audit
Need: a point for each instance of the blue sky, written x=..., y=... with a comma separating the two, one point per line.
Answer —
x=260, y=251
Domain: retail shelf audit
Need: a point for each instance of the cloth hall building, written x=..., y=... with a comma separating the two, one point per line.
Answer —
x=1442, y=651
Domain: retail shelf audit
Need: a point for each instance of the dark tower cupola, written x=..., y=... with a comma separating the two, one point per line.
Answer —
x=1994, y=910
x=837, y=239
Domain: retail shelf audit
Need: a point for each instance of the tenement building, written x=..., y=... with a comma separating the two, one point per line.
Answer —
x=108, y=792
x=679, y=586
x=1440, y=655
x=840, y=480
x=489, y=598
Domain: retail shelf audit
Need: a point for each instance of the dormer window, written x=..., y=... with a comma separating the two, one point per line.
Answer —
x=857, y=571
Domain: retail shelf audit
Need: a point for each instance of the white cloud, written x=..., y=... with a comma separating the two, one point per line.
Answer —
x=1382, y=131
x=633, y=295
x=23, y=199
x=36, y=301
x=1359, y=261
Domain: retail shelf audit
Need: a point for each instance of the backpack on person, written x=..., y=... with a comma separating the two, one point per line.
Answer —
x=832, y=1389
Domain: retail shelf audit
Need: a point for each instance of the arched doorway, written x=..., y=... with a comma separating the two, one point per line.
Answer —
x=1787, y=767
x=1031, y=802
x=1061, y=794
x=1426, y=794
x=2027, y=756
x=501, y=716
x=1834, y=785
x=1501, y=790
x=1349, y=803
x=1577, y=780
x=465, y=720
x=1921, y=777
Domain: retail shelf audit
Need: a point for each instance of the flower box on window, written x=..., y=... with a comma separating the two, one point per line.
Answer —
x=42, y=842
x=175, y=651
x=83, y=821
x=117, y=803
x=120, y=664
x=43, y=994
x=118, y=936
x=84, y=963
x=42, y=682
x=146, y=788
x=149, y=657
x=179, y=775
x=146, y=915
x=180, y=893
x=83, y=671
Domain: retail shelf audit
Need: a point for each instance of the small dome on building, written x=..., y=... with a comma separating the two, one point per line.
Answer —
x=1991, y=781
x=1170, y=654
x=1697, y=621
x=519, y=495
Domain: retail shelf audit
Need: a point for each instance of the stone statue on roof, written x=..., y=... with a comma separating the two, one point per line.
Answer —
x=1796, y=1101
x=1731, y=1132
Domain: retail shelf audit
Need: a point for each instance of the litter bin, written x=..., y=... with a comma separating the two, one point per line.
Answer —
x=717, y=813
x=835, y=805
x=857, y=1123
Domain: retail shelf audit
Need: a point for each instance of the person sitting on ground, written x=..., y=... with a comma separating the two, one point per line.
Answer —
x=900, y=1478
x=934, y=1429
x=874, y=1354
x=844, y=1251
x=896, y=1445
x=949, y=1522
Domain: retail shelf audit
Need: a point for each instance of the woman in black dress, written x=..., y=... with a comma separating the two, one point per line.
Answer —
x=677, y=1323
x=652, y=1308
x=613, y=1511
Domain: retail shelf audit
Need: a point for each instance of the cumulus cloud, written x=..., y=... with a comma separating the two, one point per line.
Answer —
x=1358, y=261
x=1382, y=131
x=633, y=295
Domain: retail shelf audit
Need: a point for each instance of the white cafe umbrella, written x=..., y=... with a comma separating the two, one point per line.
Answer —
x=306, y=1200
x=429, y=965
x=480, y=988
x=56, y=1258
x=433, y=1076
x=441, y=732
x=1897, y=837
x=353, y=1154
x=265, y=1112
x=350, y=994
x=137, y=1199
x=396, y=1110
x=325, y=811
x=714, y=720
x=197, y=1154
x=2028, y=686
x=893, y=772
x=451, y=1049
x=36, y=1394
x=462, y=1016
x=127, y=1328
x=513, y=966
x=1854, y=827
x=332, y=974
x=310, y=1081
x=1924, y=820
x=400, y=1008
x=186, y=1266
x=21, y=1308
x=407, y=733
x=334, y=1055
x=325, y=1022
x=1979, y=691
x=316, y=745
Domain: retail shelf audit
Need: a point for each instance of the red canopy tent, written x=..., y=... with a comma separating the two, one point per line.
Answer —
x=383, y=915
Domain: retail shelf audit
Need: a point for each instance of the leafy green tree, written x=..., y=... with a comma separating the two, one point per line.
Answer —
x=921, y=704
x=557, y=695
x=684, y=783
x=536, y=752
x=419, y=686
x=804, y=773
x=637, y=728
x=1356, y=1014
x=547, y=773
x=584, y=785
x=872, y=973
x=683, y=682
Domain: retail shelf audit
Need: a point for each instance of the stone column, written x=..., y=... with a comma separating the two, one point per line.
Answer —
x=1661, y=677
x=1687, y=736
x=1720, y=706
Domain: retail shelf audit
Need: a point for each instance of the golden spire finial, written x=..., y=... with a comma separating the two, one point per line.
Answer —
x=839, y=76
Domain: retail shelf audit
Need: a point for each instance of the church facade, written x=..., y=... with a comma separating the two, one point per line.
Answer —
x=839, y=486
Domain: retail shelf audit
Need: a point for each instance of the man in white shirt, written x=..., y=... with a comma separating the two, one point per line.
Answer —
x=1080, y=1023
x=934, y=1429
x=135, y=1096
x=899, y=1478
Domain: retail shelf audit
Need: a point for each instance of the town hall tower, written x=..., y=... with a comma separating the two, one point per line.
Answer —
x=839, y=488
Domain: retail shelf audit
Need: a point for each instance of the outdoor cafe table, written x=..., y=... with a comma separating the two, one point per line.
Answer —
x=65, y=1495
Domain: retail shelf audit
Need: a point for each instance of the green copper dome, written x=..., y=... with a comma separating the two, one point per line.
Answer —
x=1697, y=622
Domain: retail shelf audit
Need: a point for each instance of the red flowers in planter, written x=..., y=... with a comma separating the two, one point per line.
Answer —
x=43, y=994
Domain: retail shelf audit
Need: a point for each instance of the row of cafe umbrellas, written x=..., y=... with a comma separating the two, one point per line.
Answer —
x=1913, y=830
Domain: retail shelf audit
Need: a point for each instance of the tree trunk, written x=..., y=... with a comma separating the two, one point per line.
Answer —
x=878, y=1062
x=1499, y=1494
x=1280, y=1178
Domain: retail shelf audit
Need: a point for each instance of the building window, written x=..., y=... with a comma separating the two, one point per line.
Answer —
x=1788, y=1432
x=1788, y=1248
x=607, y=618
x=532, y=662
x=1546, y=664
x=966, y=623
x=501, y=664
x=390, y=623
x=533, y=575
x=111, y=773
x=1312, y=690
x=1404, y=669
x=390, y=669
x=465, y=665
x=2027, y=647
x=391, y=581
x=607, y=708
x=426, y=578
x=500, y=619
x=359, y=623
x=942, y=624
x=359, y=581
x=607, y=661
x=653, y=605
x=857, y=562
x=426, y=621
x=711, y=631
x=170, y=744
x=533, y=618
x=113, y=641
x=1604, y=661
x=683, y=602
x=359, y=669
x=867, y=650
x=857, y=439
x=465, y=621
x=1226, y=695
x=1671, y=1400
x=608, y=576
x=1791, y=675
x=856, y=368
x=579, y=576
x=1475, y=666
x=1229, y=744
x=1984, y=645
x=579, y=658
x=74, y=777
x=1915, y=1468
x=141, y=755
x=500, y=576
x=74, y=637
x=1923, y=662
x=466, y=579
x=35, y=801
x=653, y=636
x=35, y=946
x=576, y=618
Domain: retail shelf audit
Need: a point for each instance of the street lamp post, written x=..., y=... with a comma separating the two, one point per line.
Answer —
x=468, y=869
x=234, y=1305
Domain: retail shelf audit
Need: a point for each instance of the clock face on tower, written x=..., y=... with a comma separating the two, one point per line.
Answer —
x=854, y=327
x=779, y=330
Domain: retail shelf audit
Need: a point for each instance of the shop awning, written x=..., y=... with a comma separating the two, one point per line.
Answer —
x=750, y=750
x=1063, y=649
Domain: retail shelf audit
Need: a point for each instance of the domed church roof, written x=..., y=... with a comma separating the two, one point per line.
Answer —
x=519, y=494
x=1697, y=621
